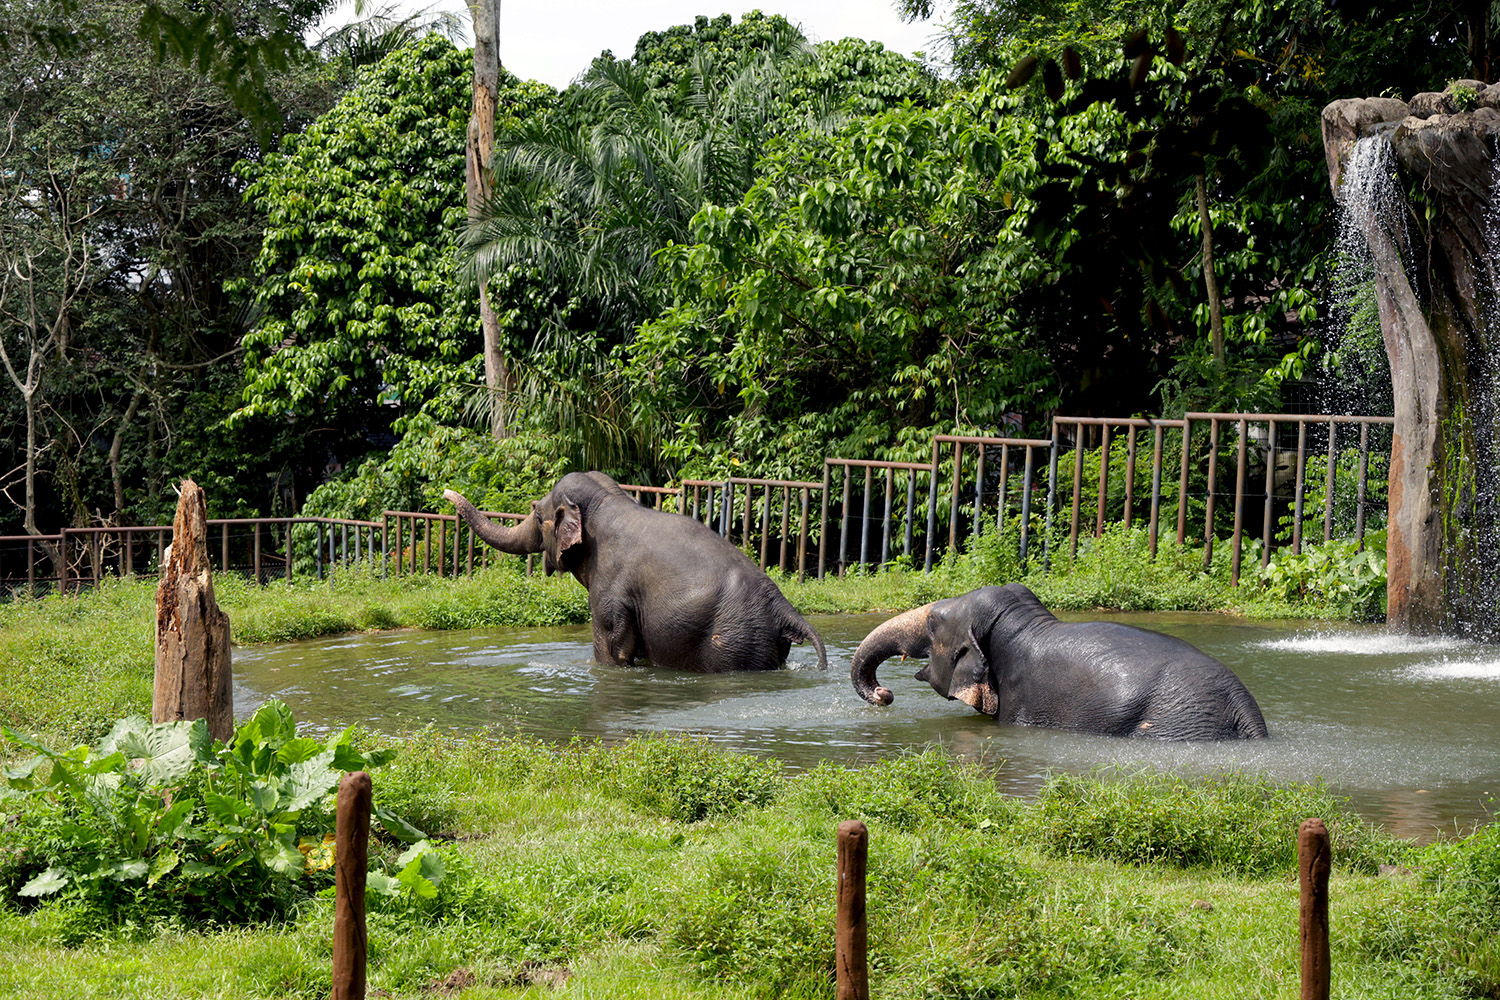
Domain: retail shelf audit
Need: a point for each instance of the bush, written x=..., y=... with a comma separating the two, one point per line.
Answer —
x=685, y=779
x=908, y=792
x=1235, y=823
x=160, y=823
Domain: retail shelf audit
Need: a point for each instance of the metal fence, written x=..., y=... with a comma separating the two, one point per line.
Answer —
x=1254, y=479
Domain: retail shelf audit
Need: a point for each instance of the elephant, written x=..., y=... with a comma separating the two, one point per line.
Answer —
x=662, y=587
x=1000, y=651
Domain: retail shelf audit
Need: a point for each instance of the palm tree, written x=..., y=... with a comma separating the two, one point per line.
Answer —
x=378, y=31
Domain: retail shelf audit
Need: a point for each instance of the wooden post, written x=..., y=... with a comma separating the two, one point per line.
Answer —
x=193, y=679
x=1314, y=860
x=853, y=975
x=352, y=842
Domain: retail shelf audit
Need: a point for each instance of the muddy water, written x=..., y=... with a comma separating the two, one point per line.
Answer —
x=1408, y=728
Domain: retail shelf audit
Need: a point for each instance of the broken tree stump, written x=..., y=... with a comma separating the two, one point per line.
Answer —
x=193, y=677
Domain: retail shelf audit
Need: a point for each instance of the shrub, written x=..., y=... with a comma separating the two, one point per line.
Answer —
x=1233, y=823
x=161, y=823
x=907, y=792
x=681, y=778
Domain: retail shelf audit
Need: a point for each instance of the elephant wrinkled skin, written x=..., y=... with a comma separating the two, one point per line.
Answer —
x=662, y=587
x=1000, y=651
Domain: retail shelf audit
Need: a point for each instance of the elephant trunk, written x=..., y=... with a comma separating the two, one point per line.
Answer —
x=905, y=634
x=522, y=539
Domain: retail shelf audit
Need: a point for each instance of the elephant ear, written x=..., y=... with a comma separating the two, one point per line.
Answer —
x=567, y=525
x=972, y=682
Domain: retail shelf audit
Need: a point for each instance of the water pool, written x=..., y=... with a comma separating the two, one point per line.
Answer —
x=1408, y=728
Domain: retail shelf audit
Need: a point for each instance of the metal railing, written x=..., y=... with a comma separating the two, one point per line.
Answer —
x=1289, y=471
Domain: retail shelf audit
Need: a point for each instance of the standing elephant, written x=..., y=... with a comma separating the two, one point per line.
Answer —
x=662, y=587
x=1000, y=651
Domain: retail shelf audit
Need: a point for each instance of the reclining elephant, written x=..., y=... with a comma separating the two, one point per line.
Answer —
x=1000, y=651
x=662, y=587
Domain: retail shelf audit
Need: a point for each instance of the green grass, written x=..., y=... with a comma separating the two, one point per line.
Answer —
x=663, y=868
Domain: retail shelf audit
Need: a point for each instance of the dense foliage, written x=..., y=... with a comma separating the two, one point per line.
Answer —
x=731, y=250
x=121, y=218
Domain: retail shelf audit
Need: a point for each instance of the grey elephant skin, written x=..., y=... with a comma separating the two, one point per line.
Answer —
x=662, y=587
x=1000, y=651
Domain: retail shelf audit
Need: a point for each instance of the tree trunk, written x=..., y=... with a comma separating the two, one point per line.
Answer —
x=478, y=185
x=1210, y=283
x=116, y=446
x=193, y=676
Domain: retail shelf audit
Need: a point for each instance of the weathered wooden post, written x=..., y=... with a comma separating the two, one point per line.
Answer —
x=193, y=678
x=351, y=844
x=853, y=975
x=1314, y=861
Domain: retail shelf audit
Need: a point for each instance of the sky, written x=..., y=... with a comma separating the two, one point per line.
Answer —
x=554, y=41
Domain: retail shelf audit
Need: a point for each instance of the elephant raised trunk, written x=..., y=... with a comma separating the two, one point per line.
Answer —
x=522, y=539
x=905, y=634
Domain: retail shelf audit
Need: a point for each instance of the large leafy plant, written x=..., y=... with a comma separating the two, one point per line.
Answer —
x=162, y=818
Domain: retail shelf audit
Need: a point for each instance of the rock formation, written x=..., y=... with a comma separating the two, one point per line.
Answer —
x=1438, y=290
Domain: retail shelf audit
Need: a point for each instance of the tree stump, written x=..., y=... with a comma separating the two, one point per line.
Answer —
x=193, y=676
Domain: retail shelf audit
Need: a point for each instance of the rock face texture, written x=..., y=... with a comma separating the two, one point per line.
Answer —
x=1438, y=289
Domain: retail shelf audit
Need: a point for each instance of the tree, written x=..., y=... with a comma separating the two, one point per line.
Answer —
x=592, y=195
x=361, y=323
x=46, y=209
x=863, y=291
x=127, y=161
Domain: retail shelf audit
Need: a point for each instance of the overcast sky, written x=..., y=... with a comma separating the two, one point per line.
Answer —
x=554, y=41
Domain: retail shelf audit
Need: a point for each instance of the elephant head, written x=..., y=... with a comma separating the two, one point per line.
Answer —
x=951, y=635
x=554, y=528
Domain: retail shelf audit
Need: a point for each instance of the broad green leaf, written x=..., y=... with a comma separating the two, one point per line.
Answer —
x=398, y=827
x=282, y=858
x=265, y=798
x=45, y=884
x=382, y=884
x=162, y=865
x=20, y=776
x=298, y=750
x=227, y=810
x=422, y=869
x=308, y=782
x=121, y=870
x=170, y=822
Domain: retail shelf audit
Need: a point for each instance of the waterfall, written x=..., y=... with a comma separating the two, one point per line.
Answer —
x=1355, y=371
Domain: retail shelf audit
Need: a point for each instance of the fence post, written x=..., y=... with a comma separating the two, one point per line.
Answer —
x=1314, y=861
x=850, y=937
x=352, y=843
x=802, y=539
x=1026, y=504
x=1364, y=470
x=932, y=484
x=1051, y=501
x=844, y=524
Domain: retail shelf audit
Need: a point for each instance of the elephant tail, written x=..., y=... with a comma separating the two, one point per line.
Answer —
x=799, y=630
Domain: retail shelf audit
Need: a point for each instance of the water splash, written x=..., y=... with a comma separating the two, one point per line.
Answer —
x=1376, y=644
x=1483, y=668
